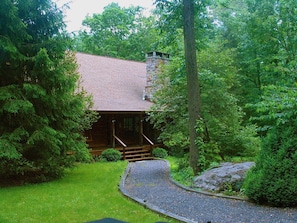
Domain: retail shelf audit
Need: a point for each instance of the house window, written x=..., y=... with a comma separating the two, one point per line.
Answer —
x=129, y=124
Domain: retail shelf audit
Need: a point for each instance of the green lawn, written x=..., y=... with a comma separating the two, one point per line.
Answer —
x=89, y=192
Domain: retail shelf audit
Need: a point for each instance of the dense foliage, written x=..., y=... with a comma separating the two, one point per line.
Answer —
x=118, y=32
x=41, y=106
x=263, y=33
x=222, y=131
x=273, y=180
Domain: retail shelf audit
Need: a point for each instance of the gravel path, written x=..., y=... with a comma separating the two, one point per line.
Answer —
x=148, y=182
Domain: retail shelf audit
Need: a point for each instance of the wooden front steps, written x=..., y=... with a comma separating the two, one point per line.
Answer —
x=132, y=153
x=136, y=153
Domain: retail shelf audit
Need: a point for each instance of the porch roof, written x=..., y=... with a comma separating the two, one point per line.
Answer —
x=115, y=84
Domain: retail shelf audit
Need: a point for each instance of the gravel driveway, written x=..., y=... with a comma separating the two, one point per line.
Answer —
x=148, y=182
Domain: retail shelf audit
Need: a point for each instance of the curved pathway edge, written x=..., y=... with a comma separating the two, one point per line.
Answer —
x=145, y=204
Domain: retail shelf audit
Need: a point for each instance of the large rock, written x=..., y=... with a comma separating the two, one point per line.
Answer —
x=216, y=179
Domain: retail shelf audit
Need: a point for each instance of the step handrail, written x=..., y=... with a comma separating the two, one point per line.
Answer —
x=149, y=141
x=118, y=139
x=122, y=144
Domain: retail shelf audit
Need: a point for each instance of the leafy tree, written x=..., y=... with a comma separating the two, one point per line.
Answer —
x=170, y=25
x=262, y=32
x=222, y=131
x=118, y=32
x=41, y=106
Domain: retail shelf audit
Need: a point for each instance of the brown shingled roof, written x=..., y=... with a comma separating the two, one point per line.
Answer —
x=116, y=85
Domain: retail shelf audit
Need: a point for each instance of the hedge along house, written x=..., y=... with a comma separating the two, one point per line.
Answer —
x=122, y=92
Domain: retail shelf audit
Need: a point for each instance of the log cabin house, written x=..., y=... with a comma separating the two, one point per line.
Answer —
x=122, y=93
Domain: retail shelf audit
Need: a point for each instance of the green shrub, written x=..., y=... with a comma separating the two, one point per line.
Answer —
x=184, y=176
x=160, y=153
x=184, y=162
x=273, y=180
x=209, y=153
x=177, y=142
x=111, y=155
x=180, y=170
x=208, y=158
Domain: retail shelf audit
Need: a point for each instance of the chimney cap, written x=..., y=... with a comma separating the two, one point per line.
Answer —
x=158, y=54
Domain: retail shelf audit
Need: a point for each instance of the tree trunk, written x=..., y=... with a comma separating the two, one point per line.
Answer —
x=192, y=80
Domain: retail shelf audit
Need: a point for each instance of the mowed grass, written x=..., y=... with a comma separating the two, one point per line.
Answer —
x=89, y=192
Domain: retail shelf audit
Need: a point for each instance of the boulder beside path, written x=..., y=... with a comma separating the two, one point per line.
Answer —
x=226, y=174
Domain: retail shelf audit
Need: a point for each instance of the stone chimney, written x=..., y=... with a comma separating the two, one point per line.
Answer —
x=154, y=61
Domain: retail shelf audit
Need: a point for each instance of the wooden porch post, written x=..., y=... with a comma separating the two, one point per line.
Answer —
x=113, y=133
x=141, y=131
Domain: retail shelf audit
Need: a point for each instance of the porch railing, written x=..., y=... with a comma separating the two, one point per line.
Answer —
x=122, y=144
x=145, y=137
x=149, y=141
x=118, y=140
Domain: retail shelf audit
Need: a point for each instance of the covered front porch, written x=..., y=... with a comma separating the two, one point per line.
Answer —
x=128, y=132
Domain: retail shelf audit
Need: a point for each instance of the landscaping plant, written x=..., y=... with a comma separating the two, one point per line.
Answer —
x=111, y=155
x=273, y=180
x=180, y=171
x=160, y=153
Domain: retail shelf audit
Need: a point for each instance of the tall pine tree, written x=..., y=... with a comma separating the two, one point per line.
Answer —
x=41, y=106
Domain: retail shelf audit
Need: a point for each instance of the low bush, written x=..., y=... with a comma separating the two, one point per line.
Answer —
x=184, y=162
x=160, y=153
x=111, y=155
x=180, y=170
x=209, y=154
x=177, y=143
